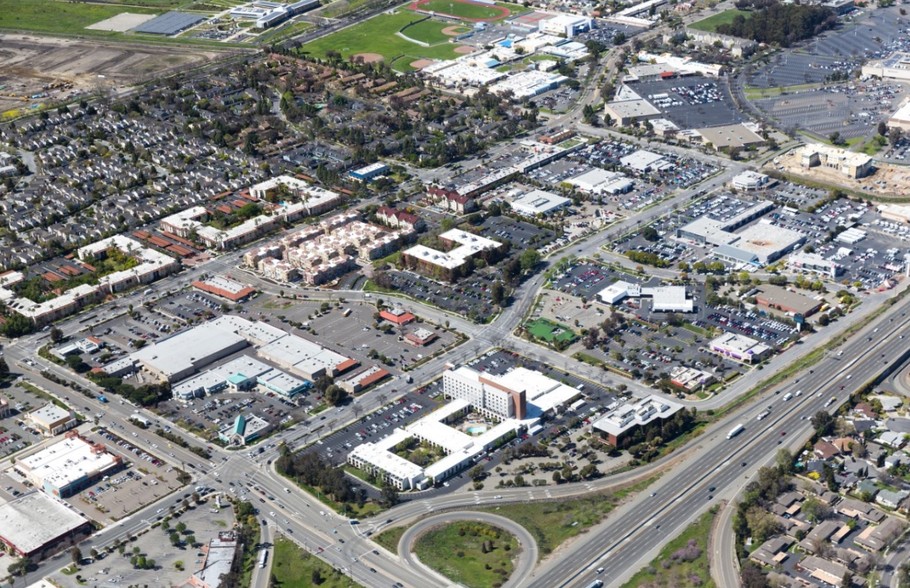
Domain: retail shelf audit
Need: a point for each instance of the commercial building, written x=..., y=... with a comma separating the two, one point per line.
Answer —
x=663, y=298
x=363, y=380
x=242, y=373
x=624, y=113
x=643, y=161
x=245, y=429
x=51, y=420
x=893, y=67
x=225, y=288
x=565, y=25
x=601, y=181
x=217, y=562
x=736, y=136
x=421, y=337
x=182, y=355
x=367, y=173
x=901, y=118
x=452, y=264
x=690, y=378
x=750, y=180
x=310, y=360
x=850, y=164
x=739, y=348
x=538, y=203
x=815, y=263
x=528, y=83
x=36, y=525
x=617, y=423
x=397, y=316
x=68, y=466
x=778, y=299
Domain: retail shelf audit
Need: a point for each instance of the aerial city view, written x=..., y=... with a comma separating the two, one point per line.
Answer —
x=454, y=293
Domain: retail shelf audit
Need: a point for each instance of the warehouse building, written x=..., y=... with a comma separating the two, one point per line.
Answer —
x=69, y=466
x=36, y=526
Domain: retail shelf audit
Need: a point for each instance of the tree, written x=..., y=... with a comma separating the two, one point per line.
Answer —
x=76, y=555
x=529, y=259
x=316, y=577
x=4, y=368
x=835, y=138
x=784, y=461
x=389, y=495
x=497, y=291
x=882, y=128
x=180, y=527
x=823, y=423
x=752, y=576
x=56, y=335
x=823, y=320
x=335, y=395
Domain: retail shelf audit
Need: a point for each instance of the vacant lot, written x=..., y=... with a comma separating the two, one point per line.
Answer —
x=292, y=566
x=473, y=554
x=711, y=23
x=377, y=35
x=50, y=16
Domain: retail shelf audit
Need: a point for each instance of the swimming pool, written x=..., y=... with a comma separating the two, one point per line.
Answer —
x=477, y=429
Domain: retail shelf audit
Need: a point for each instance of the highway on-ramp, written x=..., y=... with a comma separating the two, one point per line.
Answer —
x=527, y=558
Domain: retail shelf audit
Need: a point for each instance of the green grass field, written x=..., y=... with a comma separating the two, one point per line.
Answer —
x=455, y=551
x=689, y=567
x=377, y=35
x=550, y=332
x=711, y=23
x=429, y=31
x=467, y=10
x=50, y=16
x=292, y=566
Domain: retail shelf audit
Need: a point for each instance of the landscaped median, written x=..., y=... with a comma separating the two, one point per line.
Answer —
x=472, y=553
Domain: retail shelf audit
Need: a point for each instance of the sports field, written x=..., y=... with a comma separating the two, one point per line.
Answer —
x=550, y=332
x=711, y=23
x=50, y=16
x=431, y=31
x=377, y=35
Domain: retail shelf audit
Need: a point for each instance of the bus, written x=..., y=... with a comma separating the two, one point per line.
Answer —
x=263, y=557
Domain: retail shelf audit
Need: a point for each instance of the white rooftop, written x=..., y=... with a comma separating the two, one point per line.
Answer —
x=642, y=412
x=35, y=519
x=66, y=461
x=538, y=202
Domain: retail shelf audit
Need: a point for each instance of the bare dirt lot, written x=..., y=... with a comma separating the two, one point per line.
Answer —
x=63, y=68
x=888, y=180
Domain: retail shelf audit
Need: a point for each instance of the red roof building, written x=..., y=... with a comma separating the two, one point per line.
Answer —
x=397, y=316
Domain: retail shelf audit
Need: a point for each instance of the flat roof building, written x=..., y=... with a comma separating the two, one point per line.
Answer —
x=36, y=525
x=182, y=355
x=813, y=262
x=850, y=164
x=617, y=423
x=450, y=264
x=305, y=357
x=51, y=419
x=739, y=348
x=219, y=557
x=565, y=25
x=367, y=173
x=624, y=112
x=735, y=136
x=225, y=288
x=244, y=429
x=778, y=299
x=750, y=180
x=68, y=466
x=538, y=203
x=663, y=298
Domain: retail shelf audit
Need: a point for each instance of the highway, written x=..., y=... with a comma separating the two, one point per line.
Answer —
x=624, y=543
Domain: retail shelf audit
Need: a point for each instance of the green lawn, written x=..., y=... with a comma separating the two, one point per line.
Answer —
x=683, y=562
x=711, y=23
x=550, y=332
x=377, y=35
x=50, y=16
x=551, y=523
x=293, y=567
x=467, y=10
x=456, y=551
x=390, y=538
x=428, y=31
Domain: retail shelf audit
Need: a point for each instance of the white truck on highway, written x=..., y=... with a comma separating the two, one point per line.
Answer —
x=736, y=431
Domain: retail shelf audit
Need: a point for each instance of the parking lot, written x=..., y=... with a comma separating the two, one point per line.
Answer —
x=15, y=433
x=691, y=102
x=203, y=522
x=356, y=334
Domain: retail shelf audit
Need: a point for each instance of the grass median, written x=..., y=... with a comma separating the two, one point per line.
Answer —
x=292, y=566
x=471, y=553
